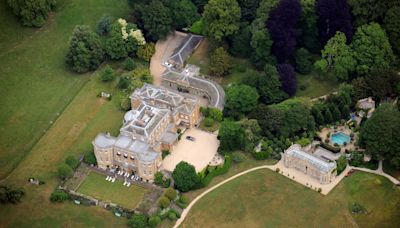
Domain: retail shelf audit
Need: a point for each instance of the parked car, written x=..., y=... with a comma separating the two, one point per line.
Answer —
x=190, y=138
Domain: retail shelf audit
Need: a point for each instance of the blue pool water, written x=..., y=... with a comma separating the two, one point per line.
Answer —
x=340, y=138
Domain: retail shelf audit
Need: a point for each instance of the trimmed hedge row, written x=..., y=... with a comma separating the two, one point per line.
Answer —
x=329, y=147
x=204, y=182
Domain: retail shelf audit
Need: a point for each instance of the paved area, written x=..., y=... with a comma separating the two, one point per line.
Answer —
x=164, y=48
x=198, y=153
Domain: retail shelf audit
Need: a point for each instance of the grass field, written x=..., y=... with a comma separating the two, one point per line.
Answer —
x=266, y=199
x=35, y=85
x=96, y=186
x=313, y=86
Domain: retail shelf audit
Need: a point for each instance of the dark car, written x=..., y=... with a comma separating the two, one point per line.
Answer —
x=190, y=138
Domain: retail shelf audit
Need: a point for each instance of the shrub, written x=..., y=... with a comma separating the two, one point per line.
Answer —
x=129, y=64
x=123, y=82
x=330, y=148
x=163, y=202
x=185, y=176
x=146, y=51
x=336, y=145
x=356, y=208
x=262, y=155
x=171, y=215
x=182, y=202
x=216, y=172
x=215, y=114
x=220, y=62
x=303, y=61
x=72, y=162
x=138, y=221
x=158, y=178
x=197, y=27
x=326, y=140
x=125, y=104
x=11, y=194
x=167, y=183
x=165, y=153
x=107, y=74
x=64, y=171
x=58, y=196
x=277, y=170
x=104, y=25
x=154, y=221
x=208, y=122
x=237, y=157
x=170, y=193
x=319, y=190
x=341, y=164
x=90, y=158
x=303, y=142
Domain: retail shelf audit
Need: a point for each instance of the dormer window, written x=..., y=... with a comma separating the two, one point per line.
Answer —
x=125, y=156
x=132, y=158
x=118, y=153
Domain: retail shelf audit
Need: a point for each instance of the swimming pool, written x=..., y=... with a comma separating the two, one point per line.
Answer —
x=340, y=138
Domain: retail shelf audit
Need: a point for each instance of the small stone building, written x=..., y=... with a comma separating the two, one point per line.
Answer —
x=319, y=168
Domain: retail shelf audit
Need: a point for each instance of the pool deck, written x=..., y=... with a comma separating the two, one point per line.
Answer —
x=344, y=129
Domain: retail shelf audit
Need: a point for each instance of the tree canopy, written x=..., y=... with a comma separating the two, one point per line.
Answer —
x=366, y=11
x=287, y=76
x=85, y=51
x=184, y=13
x=337, y=56
x=372, y=49
x=157, y=20
x=221, y=18
x=32, y=12
x=220, y=62
x=240, y=99
x=392, y=27
x=381, y=136
x=185, y=176
x=231, y=136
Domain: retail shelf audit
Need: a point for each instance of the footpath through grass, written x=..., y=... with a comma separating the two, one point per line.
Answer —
x=266, y=199
x=35, y=85
x=96, y=186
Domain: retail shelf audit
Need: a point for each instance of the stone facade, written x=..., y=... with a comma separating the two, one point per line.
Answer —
x=148, y=128
x=319, y=168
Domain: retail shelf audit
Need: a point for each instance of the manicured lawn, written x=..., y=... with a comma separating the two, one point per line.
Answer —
x=266, y=199
x=311, y=86
x=96, y=186
x=35, y=86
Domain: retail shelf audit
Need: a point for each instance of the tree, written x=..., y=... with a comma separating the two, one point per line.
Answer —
x=341, y=164
x=123, y=40
x=108, y=74
x=158, y=178
x=185, y=176
x=154, y=221
x=240, y=99
x=392, y=27
x=287, y=76
x=269, y=118
x=33, y=12
x=157, y=20
x=335, y=112
x=338, y=56
x=318, y=117
x=382, y=83
x=85, y=51
x=345, y=112
x=90, y=158
x=308, y=25
x=240, y=41
x=371, y=49
x=104, y=25
x=170, y=193
x=366, y=11
x=72, y=162
x=232, y=136
x=163, y=202
x=58, y=196
x=220, y=62
x=138, y=221
x=215, y=114
x=333, y=16
x=200, y=4
x=328, y=116
x=11, y=194
x=303, y=61
x=248, y=8
x=360, y=88
x=221, y=18
x=64, y=172
x=129, y=64
x=261, y=39
x=282, y=26
x=380, y=134
x=146, y=51
x=184, y=13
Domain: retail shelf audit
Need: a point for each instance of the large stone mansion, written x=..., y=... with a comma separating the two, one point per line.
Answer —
x=317, y=167
x=150, y=127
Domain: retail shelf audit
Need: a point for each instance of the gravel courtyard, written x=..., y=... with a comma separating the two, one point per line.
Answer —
x=198, y=153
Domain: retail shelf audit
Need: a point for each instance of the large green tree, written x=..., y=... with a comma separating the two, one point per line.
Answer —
x=392, y=27
x=232, y=136
x=380, y=134
x=337, y=56
x=185, y=176
x=85, y=51
x=220, y=62
x=366, y=11
x=240, y=99
x=371, y=49
x=308, y=23
x=221, y=18
x=157, y=20
x=184, y=13
x=32, y=12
